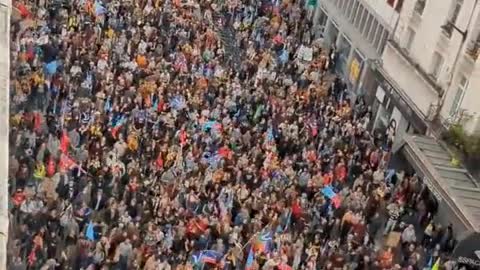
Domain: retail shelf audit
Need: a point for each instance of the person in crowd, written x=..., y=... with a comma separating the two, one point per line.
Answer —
x=160, y=134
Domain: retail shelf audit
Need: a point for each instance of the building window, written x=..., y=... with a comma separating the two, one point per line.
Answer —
x=349, y=8
x=373, y=31
x=378, y=36
x=360, y=17
x=462, y=87
x=344, y=6
x=420, y=6
x=354, y=13
x=456, y=10
x=383, y=41
x=437, y=64
x=367, y=26
x=409, y=38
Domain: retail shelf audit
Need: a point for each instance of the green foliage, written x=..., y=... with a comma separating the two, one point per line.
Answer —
x=468, y=145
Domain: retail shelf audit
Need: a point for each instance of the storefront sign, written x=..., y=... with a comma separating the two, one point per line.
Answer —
x=468, y=251
x=399, y=102
x=354, y=71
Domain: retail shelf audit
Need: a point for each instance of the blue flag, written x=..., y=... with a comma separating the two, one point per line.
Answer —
x=51, y=68
x=90, y=233
x=328, y=192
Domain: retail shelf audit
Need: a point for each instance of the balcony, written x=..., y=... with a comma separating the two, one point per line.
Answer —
x=473, y=49
x=419, y=7
x=447, y=29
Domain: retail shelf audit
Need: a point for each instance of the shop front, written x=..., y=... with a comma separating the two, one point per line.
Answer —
x=394, y=111
x=455, y=191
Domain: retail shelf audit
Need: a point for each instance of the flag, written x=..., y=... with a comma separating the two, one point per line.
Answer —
x=336, y=201
x=210, y=256
x=90, y=233
x=328, y=192
x=436, y=266
x=183, y=137
x=263, y=242
x=66, y=163
x=178, y=103
x=117, y=125
x=99, y=8
x=51, y=68
x=250, y=260
x=225, y=152
x=64, y=142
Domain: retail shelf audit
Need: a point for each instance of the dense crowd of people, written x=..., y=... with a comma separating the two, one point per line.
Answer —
x=158, y=134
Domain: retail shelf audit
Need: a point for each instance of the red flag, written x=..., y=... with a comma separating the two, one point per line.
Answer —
x=336, y=201
x=66, y=163
x=183, y=137
x=159, y=161
x=225, y=152
x=64, y=142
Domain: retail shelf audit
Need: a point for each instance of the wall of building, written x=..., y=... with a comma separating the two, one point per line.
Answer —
x=462, y=99
x=359, y=29
x=4, y=88
x=426, y=57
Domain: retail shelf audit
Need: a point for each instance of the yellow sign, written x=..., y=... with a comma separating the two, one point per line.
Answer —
x=354, y=70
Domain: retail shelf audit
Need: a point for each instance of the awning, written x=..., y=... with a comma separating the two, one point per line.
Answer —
x=468, y=251
x=449, y=183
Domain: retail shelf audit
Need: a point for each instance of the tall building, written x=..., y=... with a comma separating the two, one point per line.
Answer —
x=429, y=63
x=359, y=29
x=5, y=9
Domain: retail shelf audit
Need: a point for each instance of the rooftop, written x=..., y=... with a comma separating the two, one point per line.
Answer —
x=462, y=188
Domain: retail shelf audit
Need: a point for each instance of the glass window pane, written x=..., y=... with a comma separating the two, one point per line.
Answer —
x=378, y=36
x=373, y=30
x=354, y=12
x=383, y=41
x=348, y=9
x=359, y=16
x=367, y=25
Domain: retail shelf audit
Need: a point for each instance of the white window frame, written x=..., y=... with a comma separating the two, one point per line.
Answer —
x=409, y=38
x=368, y=24
x=359, y=16
x=373, y=30
x=458, y=98
x=353, y=15
x=437, y=64
x=457, y=8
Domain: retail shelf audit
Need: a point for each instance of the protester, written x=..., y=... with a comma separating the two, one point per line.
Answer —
x=158, y=134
